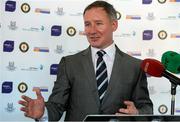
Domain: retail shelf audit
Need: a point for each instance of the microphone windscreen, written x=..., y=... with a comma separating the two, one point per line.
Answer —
x=167, y=57
x=171, y=61
x=152, y=67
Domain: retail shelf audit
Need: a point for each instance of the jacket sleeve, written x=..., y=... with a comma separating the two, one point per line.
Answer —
x=58, y=100
x=141, y=95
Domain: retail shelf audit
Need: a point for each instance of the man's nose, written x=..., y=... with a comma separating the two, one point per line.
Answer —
x=93, y=29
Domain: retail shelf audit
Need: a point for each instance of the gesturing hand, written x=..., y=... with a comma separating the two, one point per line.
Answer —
x=131, y=109
x=33, y=108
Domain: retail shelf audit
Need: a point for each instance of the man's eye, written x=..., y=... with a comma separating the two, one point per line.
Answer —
x=99, y=23
x=86, y=24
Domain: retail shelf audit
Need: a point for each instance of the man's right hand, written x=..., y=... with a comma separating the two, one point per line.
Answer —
x=33, y=108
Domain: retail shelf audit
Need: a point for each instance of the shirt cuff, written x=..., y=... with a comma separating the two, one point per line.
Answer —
x=44, y=118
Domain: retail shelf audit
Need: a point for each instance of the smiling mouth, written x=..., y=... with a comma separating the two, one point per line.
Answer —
x=94, y=38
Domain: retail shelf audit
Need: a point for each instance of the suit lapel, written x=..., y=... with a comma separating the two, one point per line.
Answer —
x=89, y=72
x=114, y=74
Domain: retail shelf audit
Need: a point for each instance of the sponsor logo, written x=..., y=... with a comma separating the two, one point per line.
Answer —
x=175, y=35
x=60, y=11
x=7, y=87
x=24, y=47
x=8, y=46
x=56, y=30
x=133, y=17
x=118, y=14
x=42, y=88
x=10, y=107
x=11, y=66
x=163, y=109
x=178, y=15
x=150, y=16
x=76, y=14
x=25, y=7
x=41, y=49
x=71, y=31
x=177, y=110
x=169, y=17
x=74, y=51
x=151, y=90
x=174, y=0
x=166, y=92
x=147, y=34
x=59, y=49
x=161, y=1
x=42, y=28
x=162, y=34
x=134, y=53
x=125, y=35
x=54, y=69
x=151, y=53
x=22, y=87
x=41, y=67
x=12, y=25
x=10, y=6
x=43, y=11
x=146, y=1
x=83, y=33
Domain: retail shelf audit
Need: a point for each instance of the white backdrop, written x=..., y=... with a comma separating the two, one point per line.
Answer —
x=137, y=35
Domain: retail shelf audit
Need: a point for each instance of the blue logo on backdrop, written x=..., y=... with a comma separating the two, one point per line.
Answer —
x=146, y=1
x=54, y=69
x=8, y=46
x=10, y=6
x=56, y=30
x=147, y=34
x=7, y=87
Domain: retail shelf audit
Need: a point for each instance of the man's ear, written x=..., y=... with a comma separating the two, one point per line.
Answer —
x=114, y=25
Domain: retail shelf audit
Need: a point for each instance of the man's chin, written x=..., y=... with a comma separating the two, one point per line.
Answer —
x=96, y=46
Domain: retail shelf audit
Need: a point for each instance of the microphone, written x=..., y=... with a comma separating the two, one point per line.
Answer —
x=171, y=61
x=156, y=68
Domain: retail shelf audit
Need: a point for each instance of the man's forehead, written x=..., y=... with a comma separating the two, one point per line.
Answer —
x=95, y=8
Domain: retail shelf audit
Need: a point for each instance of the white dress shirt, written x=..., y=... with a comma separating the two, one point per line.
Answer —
x=108, y=58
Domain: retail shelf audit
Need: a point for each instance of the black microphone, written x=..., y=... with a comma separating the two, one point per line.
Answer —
x=171, y=62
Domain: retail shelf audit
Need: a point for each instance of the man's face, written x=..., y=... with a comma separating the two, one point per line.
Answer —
x=99, y=28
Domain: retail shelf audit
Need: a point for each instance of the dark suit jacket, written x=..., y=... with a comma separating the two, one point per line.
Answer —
x=75, y=90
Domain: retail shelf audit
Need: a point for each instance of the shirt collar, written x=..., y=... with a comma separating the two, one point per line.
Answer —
x=110, y=50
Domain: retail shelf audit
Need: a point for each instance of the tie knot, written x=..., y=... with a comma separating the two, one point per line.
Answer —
x=101, y=53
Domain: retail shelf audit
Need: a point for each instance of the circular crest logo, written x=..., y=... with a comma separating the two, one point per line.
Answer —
x=71, y=31
x=161, y=1
x=162, y=109
x=25, y=7
x=118, y=14
x=162, y=34
x=24, y=47
x=22, y=87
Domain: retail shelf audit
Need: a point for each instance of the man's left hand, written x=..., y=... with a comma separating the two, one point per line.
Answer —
x=131, y=109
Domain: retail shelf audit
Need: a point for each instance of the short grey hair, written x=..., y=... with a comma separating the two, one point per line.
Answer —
x=109, y=9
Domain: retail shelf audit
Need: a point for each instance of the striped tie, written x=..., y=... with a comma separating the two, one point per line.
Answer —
x=101, y=75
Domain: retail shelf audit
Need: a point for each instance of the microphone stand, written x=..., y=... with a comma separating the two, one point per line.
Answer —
x=174, y=82
x=173, y=93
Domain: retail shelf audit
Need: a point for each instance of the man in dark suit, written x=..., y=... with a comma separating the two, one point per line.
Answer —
x=99, y=80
